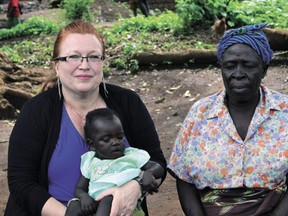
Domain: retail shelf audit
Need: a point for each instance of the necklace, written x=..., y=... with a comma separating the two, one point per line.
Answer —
x=74, y=115
x=77, y=118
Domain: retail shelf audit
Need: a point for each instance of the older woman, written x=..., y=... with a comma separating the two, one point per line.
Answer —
x=48, y=138
x=231, y=154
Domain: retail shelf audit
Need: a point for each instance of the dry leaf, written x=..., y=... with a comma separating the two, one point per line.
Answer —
x=187, y=94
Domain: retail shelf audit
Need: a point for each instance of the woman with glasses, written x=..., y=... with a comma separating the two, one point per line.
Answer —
x=48, y=138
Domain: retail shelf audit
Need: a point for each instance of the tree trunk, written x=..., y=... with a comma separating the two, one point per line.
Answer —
x=198, y=56
x=278, y=38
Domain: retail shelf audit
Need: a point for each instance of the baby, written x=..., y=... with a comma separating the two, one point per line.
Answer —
x=109, y=164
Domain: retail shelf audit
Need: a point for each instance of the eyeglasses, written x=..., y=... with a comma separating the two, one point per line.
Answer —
x=78, y=58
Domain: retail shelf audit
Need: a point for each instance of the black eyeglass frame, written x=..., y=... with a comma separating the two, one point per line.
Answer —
x=64, y=58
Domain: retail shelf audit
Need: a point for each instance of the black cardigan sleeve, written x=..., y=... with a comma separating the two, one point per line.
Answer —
x=26, y=147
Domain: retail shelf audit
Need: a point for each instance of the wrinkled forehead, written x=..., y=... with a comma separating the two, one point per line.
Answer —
x=244, y=51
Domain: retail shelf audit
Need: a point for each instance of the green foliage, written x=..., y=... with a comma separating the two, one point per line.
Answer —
x=274, y=12
x=134, y=66
x=189, y=11
x=201, y=45
x=135, y=34
x=237, y=13
x=78, y=9
x=160, y=32
x=167, y=21
x=194, y=12
x=33, y=53
x=33, y=26
x=119, y=63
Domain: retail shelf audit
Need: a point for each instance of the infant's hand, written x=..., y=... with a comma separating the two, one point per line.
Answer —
x=74, y=209
x=149, y=182
x=88, y=204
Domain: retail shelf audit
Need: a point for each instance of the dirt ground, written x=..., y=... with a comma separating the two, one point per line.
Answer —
x=168, y=95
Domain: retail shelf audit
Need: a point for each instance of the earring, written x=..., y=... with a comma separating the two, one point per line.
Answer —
x=59, y=87
x=104, y=86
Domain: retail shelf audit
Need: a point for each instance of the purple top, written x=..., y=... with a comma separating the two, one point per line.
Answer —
x=64, y=166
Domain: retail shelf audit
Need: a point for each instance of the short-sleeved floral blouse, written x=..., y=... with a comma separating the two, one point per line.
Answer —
x=208, y=151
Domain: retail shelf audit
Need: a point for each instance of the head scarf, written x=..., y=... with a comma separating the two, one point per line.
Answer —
x=251, y=35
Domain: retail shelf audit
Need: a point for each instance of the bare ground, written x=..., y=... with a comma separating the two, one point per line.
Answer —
x=168, y=95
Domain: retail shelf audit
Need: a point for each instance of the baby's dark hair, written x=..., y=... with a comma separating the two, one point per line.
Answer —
x=94, y=115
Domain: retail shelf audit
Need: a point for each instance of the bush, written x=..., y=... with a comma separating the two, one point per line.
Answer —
x=194, y=12
x=32, y=26
x=78, y=9
x=259, y=11
x=236, y=12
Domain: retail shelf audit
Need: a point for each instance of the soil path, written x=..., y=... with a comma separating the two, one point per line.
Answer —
x=168, y=96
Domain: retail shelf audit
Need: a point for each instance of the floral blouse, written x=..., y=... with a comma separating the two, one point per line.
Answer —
x=208, y=151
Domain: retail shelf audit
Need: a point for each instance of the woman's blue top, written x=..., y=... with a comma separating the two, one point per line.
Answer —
x=64, y=166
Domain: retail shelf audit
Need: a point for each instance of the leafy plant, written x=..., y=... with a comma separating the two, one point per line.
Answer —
x=259, y=11
x=134, y=66
x=237, y=13
x=78, y=9
x=35, y=25
x=157, y=33
x=33, y=53
x=193, y=12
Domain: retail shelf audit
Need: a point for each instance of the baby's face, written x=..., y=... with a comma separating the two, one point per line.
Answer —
x=109, y=138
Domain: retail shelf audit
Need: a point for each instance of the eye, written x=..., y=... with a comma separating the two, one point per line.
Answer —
x=106, y=139
x=73, y=58
x=251, y=66
x=121, y=137
x=228, y=66
x=94, y=58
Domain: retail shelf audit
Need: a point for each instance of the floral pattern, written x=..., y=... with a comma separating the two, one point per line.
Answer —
x=208, y=151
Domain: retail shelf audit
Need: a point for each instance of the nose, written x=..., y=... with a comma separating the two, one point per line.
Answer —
x=115, y=141
x=239, y=72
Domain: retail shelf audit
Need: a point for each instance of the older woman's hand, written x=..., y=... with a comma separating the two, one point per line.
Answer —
x=124, y=198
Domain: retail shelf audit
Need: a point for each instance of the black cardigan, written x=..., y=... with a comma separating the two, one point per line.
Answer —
x=35, y=135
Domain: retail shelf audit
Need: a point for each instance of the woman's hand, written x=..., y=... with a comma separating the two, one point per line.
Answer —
x=124, y=198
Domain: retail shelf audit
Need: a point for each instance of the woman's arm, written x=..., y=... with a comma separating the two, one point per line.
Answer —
x=26, y=147
x=189, y=198
x=53, y=208
x=125, y=198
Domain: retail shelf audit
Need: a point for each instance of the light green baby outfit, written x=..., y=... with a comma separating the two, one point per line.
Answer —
x=107, y=173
